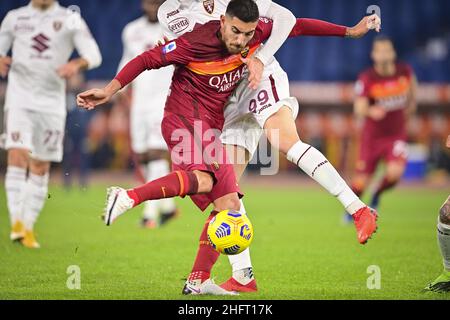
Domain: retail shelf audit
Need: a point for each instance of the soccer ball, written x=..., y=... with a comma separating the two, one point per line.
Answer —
x=230, y=232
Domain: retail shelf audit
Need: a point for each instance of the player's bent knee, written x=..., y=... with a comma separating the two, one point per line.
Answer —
x=205, y=181
x=39, y=168
x=229, y=202
x=444, y=213
x=18, y=158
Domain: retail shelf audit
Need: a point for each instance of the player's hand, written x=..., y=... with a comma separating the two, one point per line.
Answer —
x=71, y=68
x=368, y=23
x=68, y=70
x=163, y=41
x=255, y=71
x=448, y=141
x=377, y=113
x=92, y=98
x=5, y=63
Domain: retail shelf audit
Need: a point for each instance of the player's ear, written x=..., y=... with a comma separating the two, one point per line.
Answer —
x=222, y=20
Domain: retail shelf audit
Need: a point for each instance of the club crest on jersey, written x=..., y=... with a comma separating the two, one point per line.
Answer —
x=15, y=136
x=209, y=6
x=57, y=25
x=245, y=52
x=169, y=47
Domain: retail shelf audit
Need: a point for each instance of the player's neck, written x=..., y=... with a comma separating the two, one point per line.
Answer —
x=42, y=7
x=385, y=70
x=150, y=20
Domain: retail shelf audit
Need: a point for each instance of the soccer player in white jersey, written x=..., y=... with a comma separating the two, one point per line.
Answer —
x=263, y=102
x=42, y=37
x=149, y=93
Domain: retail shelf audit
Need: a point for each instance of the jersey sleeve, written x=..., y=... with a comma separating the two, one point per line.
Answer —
x=176, y=52
x=264, y=29
x=362, y=86
x=163, y=10
x=6, y=34
x=315, y=27
x=283, y=22
x=263, y=7
x=85, y=43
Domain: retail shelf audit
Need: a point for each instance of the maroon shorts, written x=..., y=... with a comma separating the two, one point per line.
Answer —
x=194, y=145
x=372, y=151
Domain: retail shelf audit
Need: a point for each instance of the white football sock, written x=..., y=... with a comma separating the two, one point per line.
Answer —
x=314, y=164
x=242, y=261
x=444, y=243
x=35, y=194
x=155, y=170
x=15, y=181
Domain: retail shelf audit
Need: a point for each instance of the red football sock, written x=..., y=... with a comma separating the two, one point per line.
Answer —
x=178, y=183
x=206, y=255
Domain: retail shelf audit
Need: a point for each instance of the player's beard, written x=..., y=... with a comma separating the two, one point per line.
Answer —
x=235, y=49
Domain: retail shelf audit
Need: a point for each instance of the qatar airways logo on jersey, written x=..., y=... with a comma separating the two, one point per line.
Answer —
x=227, y=81
x=393, y=103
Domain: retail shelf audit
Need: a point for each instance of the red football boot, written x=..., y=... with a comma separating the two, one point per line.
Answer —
x=233, y=285
x=365, y=220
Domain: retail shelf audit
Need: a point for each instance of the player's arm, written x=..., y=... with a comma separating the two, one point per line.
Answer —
x=283, y=22
x=163, y=10
x=362, y=107
x=315, y=27
x=87, y=48
x=178, y=52
x=6, y=40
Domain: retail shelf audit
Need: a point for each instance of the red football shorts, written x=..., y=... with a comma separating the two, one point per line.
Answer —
x=372, y=151
x=194, y=145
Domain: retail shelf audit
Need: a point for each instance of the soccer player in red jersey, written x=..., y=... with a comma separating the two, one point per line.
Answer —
x=386, y=96
x=209, y=67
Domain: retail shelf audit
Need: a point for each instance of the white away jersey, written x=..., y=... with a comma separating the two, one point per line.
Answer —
x=41, y=42
x=151, y=88
x=181, y=16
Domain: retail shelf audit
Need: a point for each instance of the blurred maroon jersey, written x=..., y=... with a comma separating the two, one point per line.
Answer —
x=393, y=94
x=384, y=139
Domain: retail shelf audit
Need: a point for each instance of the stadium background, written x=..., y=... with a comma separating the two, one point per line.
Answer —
x=322, y=73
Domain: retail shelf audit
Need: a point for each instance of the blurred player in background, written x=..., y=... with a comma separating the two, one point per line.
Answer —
x=76, y=158
x=386, y=97
x=442, y=283
x=42, y=36
x=263, y=101
x=149, y=94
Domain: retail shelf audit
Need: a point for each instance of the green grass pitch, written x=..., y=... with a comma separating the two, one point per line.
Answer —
x=300, y=250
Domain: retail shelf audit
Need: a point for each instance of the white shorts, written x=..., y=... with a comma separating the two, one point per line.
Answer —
x=40, y=133
x=248, y=110
x=146, y=129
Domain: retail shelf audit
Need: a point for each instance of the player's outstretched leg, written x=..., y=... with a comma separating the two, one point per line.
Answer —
x=243, y=279
x=199, y=282
x=35, y=195
x=394, y=172
x=15, y=181
x=282, y=132
x=178, y=183
x=442, y=283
